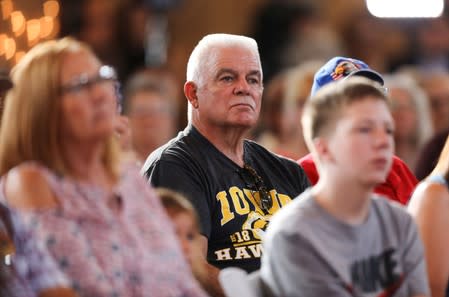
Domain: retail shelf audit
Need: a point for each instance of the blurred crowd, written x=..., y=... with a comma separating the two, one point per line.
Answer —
x=292, y=37
x=67, y=151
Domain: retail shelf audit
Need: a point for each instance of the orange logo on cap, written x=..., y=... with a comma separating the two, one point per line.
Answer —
x=344, y=69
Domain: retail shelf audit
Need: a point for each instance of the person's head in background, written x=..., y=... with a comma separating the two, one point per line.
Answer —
x=349, y=129
x=411, y=113
x=224, y=83
x=436, y=86
x=283, y=101
x=151, y=104
x=292, y=32
x=430, y=48
x=62, y=98
x=185, y=220
x=98, y=28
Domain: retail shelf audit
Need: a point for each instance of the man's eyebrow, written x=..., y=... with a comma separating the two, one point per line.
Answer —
x=234, y=72
x=255, y=72
x=226, y=70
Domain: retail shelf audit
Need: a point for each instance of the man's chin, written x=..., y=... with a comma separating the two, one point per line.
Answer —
x=247, y=121
x=243, y=125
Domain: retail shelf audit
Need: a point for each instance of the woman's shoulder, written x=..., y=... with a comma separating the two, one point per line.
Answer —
x=131, y=180
x=429, y=195
x=27, y=186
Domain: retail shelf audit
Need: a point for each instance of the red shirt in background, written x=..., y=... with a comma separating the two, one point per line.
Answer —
x=399, y=185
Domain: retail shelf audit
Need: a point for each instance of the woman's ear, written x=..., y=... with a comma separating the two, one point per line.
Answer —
x=190, y=90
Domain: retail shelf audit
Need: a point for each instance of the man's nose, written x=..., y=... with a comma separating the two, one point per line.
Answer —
x=242, y=87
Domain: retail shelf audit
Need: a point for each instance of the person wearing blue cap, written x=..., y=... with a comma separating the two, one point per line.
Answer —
x=338, y=238
x=400, y=181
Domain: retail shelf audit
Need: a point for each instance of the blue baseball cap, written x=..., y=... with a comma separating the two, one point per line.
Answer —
x=340, y=68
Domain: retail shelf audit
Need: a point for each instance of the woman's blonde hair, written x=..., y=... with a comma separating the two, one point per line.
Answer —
x=31, y=124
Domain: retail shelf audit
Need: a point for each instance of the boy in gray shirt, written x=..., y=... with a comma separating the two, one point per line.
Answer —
x=338, y=238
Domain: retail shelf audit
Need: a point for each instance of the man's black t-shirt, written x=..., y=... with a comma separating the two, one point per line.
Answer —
x=226, y=199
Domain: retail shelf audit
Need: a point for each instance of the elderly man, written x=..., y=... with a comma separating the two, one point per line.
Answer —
x=235, y=184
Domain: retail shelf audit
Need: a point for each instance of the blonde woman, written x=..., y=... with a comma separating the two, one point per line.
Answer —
x=100, y=221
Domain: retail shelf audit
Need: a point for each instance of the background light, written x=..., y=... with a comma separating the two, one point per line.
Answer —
x=33, y=31
x=405, y=8
x=18, y=56
x=23, y=24
x=18, y=22
x=51, y=8
x=10, y=48
x=7, y=8
x=47, y=25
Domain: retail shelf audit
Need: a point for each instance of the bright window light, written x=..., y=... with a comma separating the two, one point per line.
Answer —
x=405, y=8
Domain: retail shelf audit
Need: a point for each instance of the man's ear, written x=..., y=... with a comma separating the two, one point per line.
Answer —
x=190, y=90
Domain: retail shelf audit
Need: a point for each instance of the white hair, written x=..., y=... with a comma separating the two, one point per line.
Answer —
x=209, y=46
x=419, y=98
x=207, y=49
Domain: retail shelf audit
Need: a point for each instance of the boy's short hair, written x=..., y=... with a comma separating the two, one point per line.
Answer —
x=324, y=108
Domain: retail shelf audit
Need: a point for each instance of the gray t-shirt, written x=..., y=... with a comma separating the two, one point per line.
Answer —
x=308, y=252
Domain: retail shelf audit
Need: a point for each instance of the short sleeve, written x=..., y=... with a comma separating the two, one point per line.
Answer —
x=33, y=260
x=179, y=177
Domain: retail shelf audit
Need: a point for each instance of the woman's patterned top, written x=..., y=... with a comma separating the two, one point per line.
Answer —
x=118, y=243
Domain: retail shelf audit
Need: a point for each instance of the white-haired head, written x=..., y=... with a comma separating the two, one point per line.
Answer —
x=420, y=102
x=209, y=46
x=203, y=55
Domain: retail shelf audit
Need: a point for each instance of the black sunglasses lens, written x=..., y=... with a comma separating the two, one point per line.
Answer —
x=265, y=199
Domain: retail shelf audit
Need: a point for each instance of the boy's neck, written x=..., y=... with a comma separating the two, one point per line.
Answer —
x=347, y=203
